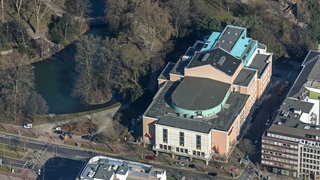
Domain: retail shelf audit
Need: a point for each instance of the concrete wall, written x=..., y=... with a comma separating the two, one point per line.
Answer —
x=189, y=140
x=208, y=71
x=148, y=129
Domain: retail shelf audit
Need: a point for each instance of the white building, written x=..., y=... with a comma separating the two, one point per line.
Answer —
x=106, y=168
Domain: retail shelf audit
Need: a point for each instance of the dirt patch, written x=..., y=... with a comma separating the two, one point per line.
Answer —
x=80, y=128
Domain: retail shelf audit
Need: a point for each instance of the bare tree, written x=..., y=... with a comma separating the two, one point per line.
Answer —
x=179, y=10
x=110, y=66
x=17, y=5
x=78, y=8
x=2, y=11
x=17, y=82
x=246, y=146
x=40, y=10
x=86, y=85
x=150, y=25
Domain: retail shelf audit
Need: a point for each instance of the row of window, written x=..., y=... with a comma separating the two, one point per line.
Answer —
x=309, y=166
x=306, y=171
x=280, y=154
x=182, y=150
x=310, y=143
x=280, y=144
x=277, y=164
x=181, y=138
x=312, y=156
x=279, y=159
x=279, y=149
x=283, y=137
x=309, y=150
x=311, y=161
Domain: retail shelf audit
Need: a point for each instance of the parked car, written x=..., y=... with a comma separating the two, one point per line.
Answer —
x=268, y=122
x=151, y=158
x=255, y=144
x=192, y=166
x=178, y=163
x=212, y=174
x=182, y=158
x=27, y=126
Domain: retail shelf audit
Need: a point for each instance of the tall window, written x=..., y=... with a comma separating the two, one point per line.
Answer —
x=198, y=142
x=165, y=136
x=181, y=139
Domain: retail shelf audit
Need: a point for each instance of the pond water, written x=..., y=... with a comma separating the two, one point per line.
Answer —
x=54, y=77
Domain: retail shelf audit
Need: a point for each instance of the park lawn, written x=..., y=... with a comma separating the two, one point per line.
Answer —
x=10, y=154
x=30, y=134
x=4, y=168
x=70, y=143
x=97, y=148
x=13, y=148
x=9, y=131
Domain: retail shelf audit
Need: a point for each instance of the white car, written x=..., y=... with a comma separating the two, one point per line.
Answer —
x=179, y=163
x=27, y=126
x=268, y=122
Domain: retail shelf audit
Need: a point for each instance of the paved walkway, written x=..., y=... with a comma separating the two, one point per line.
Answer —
x=26, y=174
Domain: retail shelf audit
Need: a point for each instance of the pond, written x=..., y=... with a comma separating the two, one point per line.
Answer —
x=54, y=76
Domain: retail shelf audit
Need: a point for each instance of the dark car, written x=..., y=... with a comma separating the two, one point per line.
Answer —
x=192, y=166
x=87, y=137
x=212, y=173
x=151, y=158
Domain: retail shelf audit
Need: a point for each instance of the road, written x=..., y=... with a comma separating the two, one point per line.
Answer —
x=76, y=154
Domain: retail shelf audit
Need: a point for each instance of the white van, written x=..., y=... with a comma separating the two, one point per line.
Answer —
x=27, y=126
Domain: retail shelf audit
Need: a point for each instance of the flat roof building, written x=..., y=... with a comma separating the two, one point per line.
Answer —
x=106, y=168
x=291, y=145
x=205, y=99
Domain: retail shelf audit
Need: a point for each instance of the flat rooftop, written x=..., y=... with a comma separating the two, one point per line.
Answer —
x=229, y=37
x=102, y=168
x=244, y=77
x=217, y=58
x=194, y=93
x=298, y=116
x=259, y=63
x=160, y=109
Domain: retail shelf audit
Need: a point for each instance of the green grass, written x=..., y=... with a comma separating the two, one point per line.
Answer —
x=13, y=148
x=70, y=143
x=9, y=131
x=97, y=148
x=30, y=134
x=10, y=154
x=4, y=168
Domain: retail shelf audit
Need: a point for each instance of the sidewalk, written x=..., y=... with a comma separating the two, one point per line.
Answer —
x=26, y=174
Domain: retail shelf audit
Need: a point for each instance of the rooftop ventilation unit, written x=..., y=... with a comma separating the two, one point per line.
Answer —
x=297, y=112
x=205, y=57
x=286, y=113
x=221, y=60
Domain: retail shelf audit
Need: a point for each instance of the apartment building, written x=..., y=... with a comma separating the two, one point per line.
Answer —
x=291, y=145
x=204, y=100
